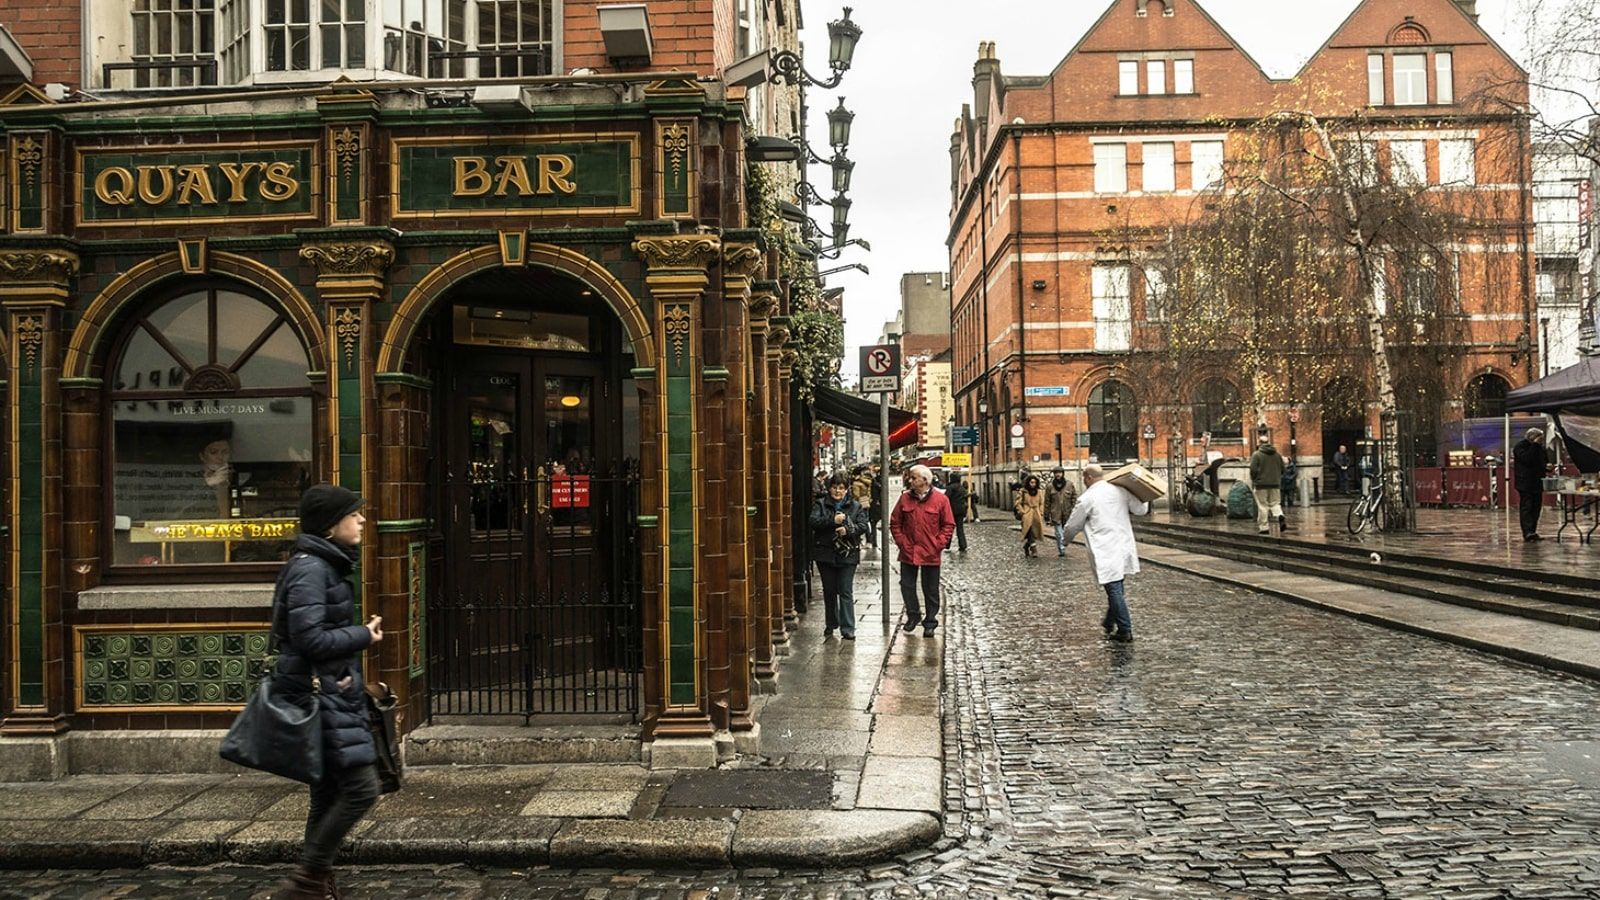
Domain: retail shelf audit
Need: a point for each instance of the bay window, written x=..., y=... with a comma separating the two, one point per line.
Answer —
x=183, y=43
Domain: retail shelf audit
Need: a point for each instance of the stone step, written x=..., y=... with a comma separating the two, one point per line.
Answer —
x=1558, y=588
x=1491, y=600
x=515, y=745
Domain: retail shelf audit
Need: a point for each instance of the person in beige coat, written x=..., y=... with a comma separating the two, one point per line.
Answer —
x=1030, y=511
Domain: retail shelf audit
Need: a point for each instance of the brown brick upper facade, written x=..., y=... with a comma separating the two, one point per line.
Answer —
x=1058, y=180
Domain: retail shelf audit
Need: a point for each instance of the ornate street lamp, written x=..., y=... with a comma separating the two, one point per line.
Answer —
x=839, y=120
x=843, y=35
x=841, y=212
x=842, y=168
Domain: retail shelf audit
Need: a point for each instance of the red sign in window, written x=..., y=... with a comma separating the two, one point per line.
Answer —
x=569, y=492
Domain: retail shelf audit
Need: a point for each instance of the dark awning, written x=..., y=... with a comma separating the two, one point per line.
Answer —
x=1577, y=385
x=861, y=414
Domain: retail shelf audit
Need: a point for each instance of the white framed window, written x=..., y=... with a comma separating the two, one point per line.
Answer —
x=1110, y=168
x=1183, y=76
x=1128, y=77
x=1155, y=295
x=1159, y=174
x=234, y=60
x=522, y=32
x=1113, y=319
x=1444, y=86
x=1374, y=79
x=1410, y=79
x=286, y=33
x=1458, y=161
x=169, y=32
x=1408, y=162
x=1206, y=164
x=1155, y=76
x=344, y=34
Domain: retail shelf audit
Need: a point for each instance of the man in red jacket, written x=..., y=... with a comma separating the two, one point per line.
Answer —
x=921, y=525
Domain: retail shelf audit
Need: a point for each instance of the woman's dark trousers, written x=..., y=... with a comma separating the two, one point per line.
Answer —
x=838, y=598
x=337, y=804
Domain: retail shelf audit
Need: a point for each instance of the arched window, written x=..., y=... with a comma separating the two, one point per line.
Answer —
x=1486, y=397
x=1419, y=400
x=211, y=432
x=1113, y=416
x=1217, y=409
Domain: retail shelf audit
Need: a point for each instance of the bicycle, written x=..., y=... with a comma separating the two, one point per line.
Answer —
x=1368, y=509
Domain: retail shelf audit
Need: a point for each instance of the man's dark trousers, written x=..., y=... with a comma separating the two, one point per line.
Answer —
x=1530, y=500
x=961, y=534
x=929, y=576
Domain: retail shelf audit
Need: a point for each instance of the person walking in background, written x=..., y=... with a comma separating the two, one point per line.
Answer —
x=1266, y=478
x=1059, y=498
x=921, y=524
x=1289, y=484
x=320, y=651
x=875, y=511
x=1342, y=465
x=1030, y=511
x=956, y=493
x=1530, y=463
x=1103, y=517
x=838, y=523
x=861, y=491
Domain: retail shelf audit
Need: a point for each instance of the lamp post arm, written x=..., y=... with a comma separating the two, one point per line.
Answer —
x=787, y=67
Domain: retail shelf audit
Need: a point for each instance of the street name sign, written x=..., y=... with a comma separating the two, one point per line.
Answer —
x=964, y=436
x=1058, y=391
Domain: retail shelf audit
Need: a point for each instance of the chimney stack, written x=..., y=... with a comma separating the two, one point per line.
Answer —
x=1470, y=7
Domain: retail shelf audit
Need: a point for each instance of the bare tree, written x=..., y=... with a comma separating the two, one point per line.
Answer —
x=1562, y=38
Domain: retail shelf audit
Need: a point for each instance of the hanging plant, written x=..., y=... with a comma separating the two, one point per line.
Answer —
x=819, y=335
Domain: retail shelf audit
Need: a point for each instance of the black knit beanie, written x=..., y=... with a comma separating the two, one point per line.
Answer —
x=323, y=505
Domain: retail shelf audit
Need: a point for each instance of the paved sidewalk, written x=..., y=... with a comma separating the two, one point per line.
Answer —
x=1560, y=647
x=850, y=772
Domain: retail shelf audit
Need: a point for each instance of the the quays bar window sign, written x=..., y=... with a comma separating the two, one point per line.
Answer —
x=211, y=414
x=142, y=185
x=547, y=175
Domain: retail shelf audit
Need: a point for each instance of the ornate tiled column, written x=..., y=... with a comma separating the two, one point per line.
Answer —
x=741, y=262
x=677, y=280
x=351, y=264
x=763, y=301
x=777, y=502
x=786, y=552
x=34, y=286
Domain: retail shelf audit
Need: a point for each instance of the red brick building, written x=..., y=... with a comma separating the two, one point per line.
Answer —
x=1051, y=320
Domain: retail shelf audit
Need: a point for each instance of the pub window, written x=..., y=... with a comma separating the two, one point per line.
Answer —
x=288, y=35
x=172, y=31
x=515, y=37
x=211, y=433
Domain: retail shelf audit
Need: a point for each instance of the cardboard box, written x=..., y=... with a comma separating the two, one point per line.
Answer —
x=1138, y=481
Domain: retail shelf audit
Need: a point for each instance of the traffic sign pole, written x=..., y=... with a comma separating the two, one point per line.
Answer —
x=883, y=536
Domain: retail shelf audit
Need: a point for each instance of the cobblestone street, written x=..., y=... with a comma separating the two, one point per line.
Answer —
x=1242, y=747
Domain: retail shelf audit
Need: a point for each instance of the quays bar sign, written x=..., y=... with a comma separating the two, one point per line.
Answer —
x=145, y=185
x=544, y=175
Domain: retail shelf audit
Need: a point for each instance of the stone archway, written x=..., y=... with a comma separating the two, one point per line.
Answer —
x=414, y=309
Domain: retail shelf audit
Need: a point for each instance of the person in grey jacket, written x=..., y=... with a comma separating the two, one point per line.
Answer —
x=313, y=614
x=1266, y=477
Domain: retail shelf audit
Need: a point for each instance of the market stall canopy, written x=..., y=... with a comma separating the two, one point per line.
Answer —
x=851, y=411
x=1573, y=386
x=1572, y=396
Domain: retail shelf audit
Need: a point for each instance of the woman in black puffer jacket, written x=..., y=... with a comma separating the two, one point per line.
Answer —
x=319, y=650
x=837, y=525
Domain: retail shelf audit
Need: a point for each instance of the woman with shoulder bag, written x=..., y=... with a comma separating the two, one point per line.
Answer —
x=320, y=653
x=837, y=525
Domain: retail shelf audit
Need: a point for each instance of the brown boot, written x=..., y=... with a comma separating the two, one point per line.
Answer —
x=303, y=884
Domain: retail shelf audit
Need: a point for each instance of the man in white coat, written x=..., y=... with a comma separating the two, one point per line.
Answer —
x=1102, y=516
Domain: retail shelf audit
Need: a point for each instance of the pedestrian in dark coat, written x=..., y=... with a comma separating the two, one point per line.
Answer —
x=956, y=493
x=838, y=523
x=1530, y=463
x=319, y=651
x=1060, y=496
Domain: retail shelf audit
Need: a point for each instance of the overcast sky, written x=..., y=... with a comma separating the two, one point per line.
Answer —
x=912, y=72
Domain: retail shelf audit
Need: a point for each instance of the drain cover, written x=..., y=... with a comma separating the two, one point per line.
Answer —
x=752, y=789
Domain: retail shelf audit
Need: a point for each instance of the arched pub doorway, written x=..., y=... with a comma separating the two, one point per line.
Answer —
x=533, y=601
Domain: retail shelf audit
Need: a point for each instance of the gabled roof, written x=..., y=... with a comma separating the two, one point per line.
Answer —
x=1454, y=7
x=1195, y=3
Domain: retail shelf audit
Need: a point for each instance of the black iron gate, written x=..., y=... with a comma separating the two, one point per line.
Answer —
x=534, y=604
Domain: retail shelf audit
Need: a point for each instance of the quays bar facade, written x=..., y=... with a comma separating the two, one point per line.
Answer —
x=539, y=335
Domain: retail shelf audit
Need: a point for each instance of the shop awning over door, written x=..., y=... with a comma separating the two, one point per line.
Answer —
x=861, y=414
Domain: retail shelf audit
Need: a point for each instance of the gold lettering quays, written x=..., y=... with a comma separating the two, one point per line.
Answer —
x=199, y=184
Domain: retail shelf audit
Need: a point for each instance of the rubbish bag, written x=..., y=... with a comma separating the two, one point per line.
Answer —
x=1241, y=501
x=1202, y=503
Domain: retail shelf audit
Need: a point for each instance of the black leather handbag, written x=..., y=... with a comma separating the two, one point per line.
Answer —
x=278, y=732
x=383, y=718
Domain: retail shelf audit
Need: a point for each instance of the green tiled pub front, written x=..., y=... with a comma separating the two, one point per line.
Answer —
x=359, y=220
